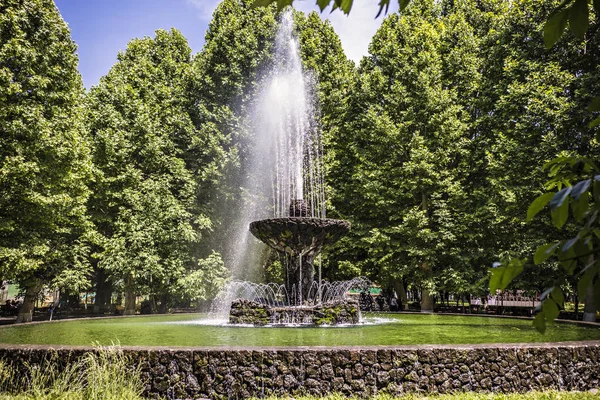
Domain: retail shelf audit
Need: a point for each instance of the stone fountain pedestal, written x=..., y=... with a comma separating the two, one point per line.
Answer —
x=300, y=239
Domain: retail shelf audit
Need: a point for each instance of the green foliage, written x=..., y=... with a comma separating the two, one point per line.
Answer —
x=576, y=13
x=152, y=164
x=539, y=89
x=577, y=254
x=324, y=59
x=344, y=5
x=400, y=160
x=438, y=148
x=555, y=27
x=538, y=204
x=238, y=42
x=44, y=156
x=224, y=77
x=431, y=148
x=227, y=75
x=203, y=283
x=274, y=271
x=503, y=275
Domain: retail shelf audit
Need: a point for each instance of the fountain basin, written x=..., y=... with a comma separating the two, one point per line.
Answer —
x=378, y=329
x=295, y=236
x=356, y=360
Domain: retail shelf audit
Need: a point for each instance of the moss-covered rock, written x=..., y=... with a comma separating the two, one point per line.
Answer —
x=334, y=313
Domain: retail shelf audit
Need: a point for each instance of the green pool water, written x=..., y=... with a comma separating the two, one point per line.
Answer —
x=388, y=329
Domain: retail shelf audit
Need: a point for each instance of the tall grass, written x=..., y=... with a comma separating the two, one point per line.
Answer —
x=100, y=375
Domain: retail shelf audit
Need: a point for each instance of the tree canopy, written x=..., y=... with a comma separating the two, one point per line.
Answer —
x=151, y=164
x=44, y=155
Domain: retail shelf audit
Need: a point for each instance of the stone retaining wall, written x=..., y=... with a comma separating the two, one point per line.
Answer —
x=240, y=373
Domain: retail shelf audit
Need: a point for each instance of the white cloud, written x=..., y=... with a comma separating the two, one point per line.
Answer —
x=356, y=29
x=205, y=7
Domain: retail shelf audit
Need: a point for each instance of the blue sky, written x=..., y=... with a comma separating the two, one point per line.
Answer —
x=101, y=28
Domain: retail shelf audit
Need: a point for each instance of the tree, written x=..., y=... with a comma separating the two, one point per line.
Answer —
x=526, y=113
x=574, y=13
x=44, y=157
x=323, y=57
x=151, y=164
x=573, y=205
x=399, y=155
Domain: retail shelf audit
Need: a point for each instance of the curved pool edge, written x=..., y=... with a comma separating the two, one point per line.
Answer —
x=461, y=347
x=362, y=371
x=100, y=317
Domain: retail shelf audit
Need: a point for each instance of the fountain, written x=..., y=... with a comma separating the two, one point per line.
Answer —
x=288, y=169
x=298, y=239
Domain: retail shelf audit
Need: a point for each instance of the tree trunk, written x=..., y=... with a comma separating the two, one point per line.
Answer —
x=589, y=309
x=426, y=301
x=163, y=304
x=55, y=299
x=103, y=291
x=154, y=304
x=403, y=295
x=129, y=296
x=401, y=292
x=31, y=293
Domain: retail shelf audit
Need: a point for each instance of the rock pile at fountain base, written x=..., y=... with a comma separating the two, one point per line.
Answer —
x=332, y=313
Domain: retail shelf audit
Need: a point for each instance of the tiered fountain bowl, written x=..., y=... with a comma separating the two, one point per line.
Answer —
x=296, y=236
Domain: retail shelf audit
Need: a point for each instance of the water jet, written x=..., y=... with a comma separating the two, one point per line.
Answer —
x=289, y=165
